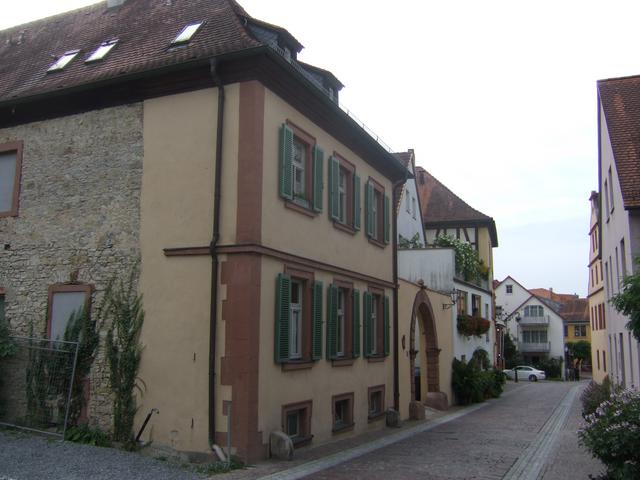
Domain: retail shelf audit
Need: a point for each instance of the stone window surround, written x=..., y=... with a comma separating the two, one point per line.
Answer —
x=370, y=392
x=306, y=278
x=87, y=289
x=378, y=199
x=304, y=408
x=348, y=426
x=310, y=141
x=347, y=359
x=350, y=171
x=16, y=146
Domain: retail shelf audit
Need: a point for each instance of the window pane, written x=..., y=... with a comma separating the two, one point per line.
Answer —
x=7, y=180
x=64, y=304
x=293, y=423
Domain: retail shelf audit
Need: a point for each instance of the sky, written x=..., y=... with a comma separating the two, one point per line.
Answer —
x=497, y=99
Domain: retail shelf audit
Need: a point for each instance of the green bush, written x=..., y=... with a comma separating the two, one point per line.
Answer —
x=472, y=385
x=594, y=394
x=552, y=367
x=87, y=435
x=612, y=434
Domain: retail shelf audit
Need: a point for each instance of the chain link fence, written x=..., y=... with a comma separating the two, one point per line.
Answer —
x=36, y=383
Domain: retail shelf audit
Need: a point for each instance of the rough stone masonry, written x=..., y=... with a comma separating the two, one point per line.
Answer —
x=79, y=210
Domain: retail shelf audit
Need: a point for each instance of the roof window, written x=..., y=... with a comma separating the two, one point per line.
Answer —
x=186, y=34
x=102, y=51
x=63, y=61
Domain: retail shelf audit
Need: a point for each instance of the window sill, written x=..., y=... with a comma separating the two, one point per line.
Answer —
x=342, y=362
x=375, y=417
x=344, y=227
x=300, y=208
x=343, y=428
x=302, y=441
x=377, y=243
x=376, y=359
x=297, y=365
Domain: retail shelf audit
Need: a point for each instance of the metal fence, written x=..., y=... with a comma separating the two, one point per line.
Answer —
x=36, y=383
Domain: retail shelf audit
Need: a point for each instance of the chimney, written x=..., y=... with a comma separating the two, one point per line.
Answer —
x=114, y=3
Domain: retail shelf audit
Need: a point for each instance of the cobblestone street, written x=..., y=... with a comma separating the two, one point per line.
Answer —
x=528, y=433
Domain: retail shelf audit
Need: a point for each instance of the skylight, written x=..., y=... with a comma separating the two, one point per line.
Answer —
x=63, y=61
x=187, y=32
x=102, y=51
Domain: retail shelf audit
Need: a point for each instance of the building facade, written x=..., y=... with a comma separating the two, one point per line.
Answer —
x=599, y=341
x=187, y=139
x=619, y=218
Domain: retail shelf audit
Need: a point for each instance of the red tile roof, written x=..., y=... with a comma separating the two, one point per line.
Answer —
x=620, y=99
x=440, y=206
x=144, y=29
x=553, y=296
x=575, y=310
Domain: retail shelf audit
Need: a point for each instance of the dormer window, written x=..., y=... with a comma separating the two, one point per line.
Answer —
x=63, y=61
x=101, y=51
x=186, y=34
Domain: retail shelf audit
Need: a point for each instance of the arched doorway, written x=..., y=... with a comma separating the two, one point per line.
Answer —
x=424, y=354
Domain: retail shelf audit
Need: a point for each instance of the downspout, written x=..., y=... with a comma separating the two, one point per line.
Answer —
x=396, y=368
x=213, y=309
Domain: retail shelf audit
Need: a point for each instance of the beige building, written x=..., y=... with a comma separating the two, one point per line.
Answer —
x=599, y=348
x=262, y=215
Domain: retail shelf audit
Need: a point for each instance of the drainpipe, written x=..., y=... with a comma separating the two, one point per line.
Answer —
x=397, y=188
x=213, y=310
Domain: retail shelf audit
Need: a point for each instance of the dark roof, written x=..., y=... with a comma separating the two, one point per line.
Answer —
x=575, y=310
x=442, y=207
x=620, y=100
x=406, y=159
x=144, y=29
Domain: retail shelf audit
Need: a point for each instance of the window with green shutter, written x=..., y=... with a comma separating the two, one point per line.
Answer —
x=332, y=321
x=377, y=213
x=301, y=164
x=375, y=324
x=298, y=317
x=386, y=331
x=356, y=202
x=356, y=322
x=344, y=194
x=367, y=300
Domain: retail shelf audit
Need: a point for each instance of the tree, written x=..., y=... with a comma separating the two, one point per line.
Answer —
x=580, y=350
x=627, y=301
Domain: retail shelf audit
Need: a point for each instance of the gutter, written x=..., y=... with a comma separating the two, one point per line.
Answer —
x=213, y=309
x=396, y=190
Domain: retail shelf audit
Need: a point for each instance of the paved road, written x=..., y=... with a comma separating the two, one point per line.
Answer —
x=528, y=434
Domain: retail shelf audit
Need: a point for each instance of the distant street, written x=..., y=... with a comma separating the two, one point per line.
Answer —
x=528, y=434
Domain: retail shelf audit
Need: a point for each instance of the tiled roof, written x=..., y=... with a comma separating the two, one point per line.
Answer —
x=620, y=99
x=576, y=310
x=551, y=295
x=144, y=29
x=441, y=206
x=405, y=159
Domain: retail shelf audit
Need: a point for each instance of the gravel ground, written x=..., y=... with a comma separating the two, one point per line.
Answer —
x=26, y=456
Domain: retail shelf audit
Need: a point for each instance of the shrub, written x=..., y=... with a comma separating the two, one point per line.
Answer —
x=594, y=394
x=472, y=385
x=612, y=434
x=552, y=367
x=87, y=435
x=481, y=359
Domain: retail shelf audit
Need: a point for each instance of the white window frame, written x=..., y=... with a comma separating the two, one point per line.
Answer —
x=340, y=323
x=298, y=164
x=295, y=323
x=374, y=214
x=374, y=324
x=342, y=195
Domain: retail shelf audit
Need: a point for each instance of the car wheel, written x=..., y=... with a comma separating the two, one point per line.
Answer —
x=533, y=378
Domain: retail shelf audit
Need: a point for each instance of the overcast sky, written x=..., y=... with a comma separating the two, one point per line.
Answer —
x=497, y=98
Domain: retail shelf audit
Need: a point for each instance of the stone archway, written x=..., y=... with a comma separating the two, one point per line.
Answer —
x=423, y=318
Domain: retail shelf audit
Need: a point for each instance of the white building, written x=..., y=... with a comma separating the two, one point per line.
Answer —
x=532, y=322
x=619, y=194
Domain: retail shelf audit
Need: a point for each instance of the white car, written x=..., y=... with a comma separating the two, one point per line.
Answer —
x=525, y=372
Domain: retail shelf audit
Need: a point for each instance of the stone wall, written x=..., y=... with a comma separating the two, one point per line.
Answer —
x=79, y=211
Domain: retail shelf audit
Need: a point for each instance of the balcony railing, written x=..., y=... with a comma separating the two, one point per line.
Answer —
x=534, y=347
x=540, y=320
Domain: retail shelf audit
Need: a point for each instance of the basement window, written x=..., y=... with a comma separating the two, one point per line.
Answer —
x=101, y=51
x=186, y=34
x=63, y=61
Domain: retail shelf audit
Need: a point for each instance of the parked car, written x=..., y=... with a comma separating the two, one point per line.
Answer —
x=524, y=371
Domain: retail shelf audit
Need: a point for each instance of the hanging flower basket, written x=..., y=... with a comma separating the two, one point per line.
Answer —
x=468, y=325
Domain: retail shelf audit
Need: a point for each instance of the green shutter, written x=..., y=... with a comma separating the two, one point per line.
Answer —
x=386, y=219
x=356, y=322
x=316, y=353
x=283, y=307
x=367, y=298
x=332, y=320
x=286, y=158
x=334, y=179
x=356, y=202
x=386, y=325
x=318, y=162
x=368, y=209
